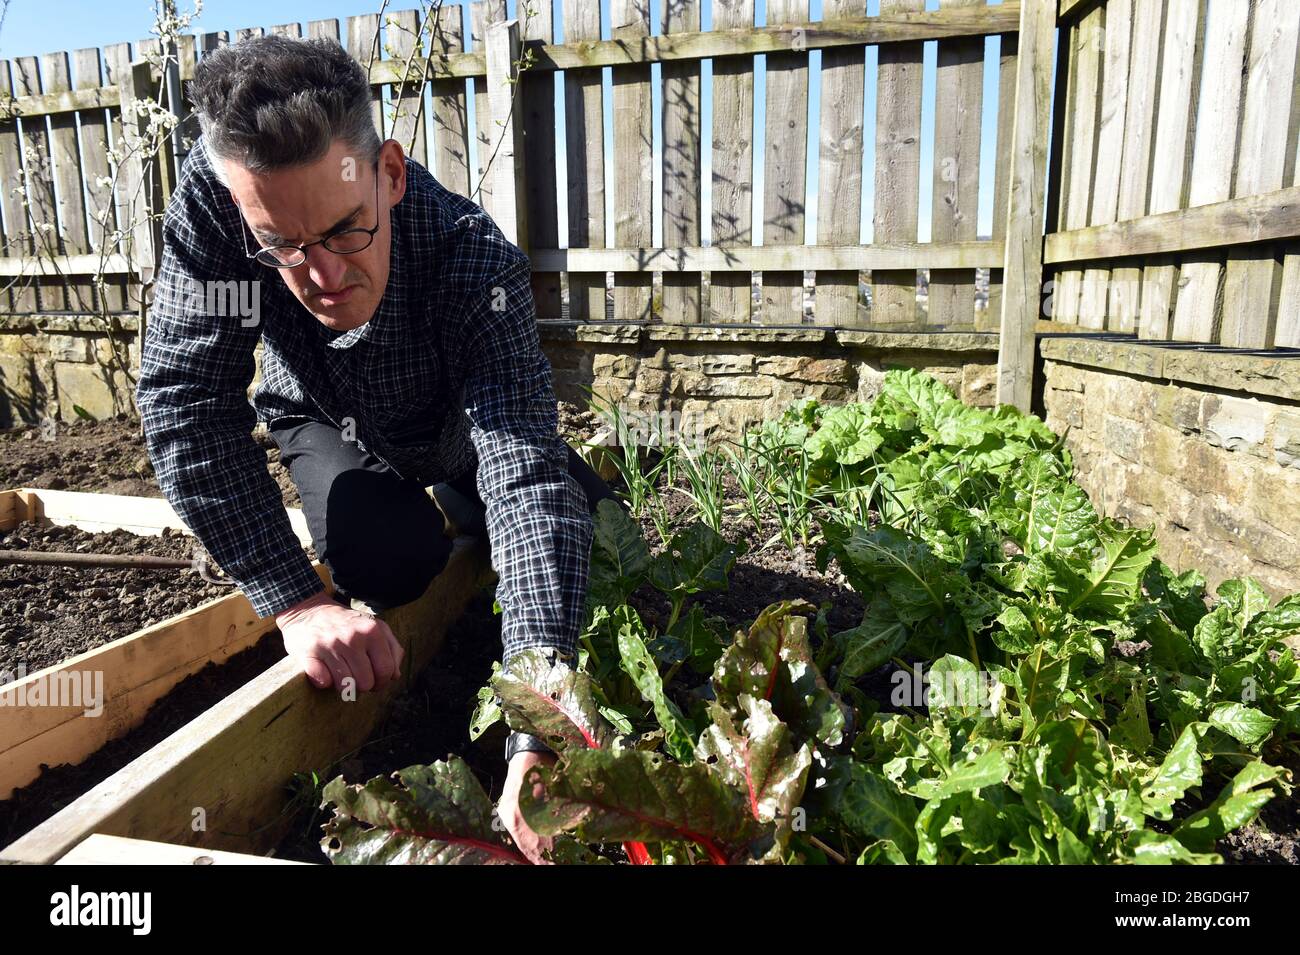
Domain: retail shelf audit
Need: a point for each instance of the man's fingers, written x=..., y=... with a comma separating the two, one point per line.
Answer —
x=339, y=669
x=358, y=663
x=317, y=672
x=383, y=660
x=395, y=645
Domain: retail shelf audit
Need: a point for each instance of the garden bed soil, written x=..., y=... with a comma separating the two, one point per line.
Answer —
x=58, y=786
x=50, y=613
x=106, y=457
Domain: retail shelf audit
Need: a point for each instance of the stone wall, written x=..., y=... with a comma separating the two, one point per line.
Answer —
x=1201, y=445
x=717, y=380
x=714, y=381
x=52, y=364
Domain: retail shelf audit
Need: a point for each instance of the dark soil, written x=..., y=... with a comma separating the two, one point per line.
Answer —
x=1273, y=838
x=428, y=723
x=578, y=425
x=107, y=457
x=766, y=571
x=49, y=613
x=58, y=786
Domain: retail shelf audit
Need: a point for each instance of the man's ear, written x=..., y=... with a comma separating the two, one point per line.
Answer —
x=392, y=163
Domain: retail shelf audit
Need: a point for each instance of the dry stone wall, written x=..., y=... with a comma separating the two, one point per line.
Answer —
x=1169, y=438
x=712, y=382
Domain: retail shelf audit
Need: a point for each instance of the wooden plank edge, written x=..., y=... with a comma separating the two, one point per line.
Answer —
x=230, y=765
x=142, y=515
x=57, y=735
x=102, y=849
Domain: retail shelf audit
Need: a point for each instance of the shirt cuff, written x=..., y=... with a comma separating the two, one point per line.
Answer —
x=271, y=595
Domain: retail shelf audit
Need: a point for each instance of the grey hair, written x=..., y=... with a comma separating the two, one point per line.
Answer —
x=270, y=102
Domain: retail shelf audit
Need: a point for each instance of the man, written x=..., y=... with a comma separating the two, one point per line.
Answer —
x=399, y=350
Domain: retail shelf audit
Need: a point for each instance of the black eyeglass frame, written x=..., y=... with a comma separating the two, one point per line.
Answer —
x=302, y=249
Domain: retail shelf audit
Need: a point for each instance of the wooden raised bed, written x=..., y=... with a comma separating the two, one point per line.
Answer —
x=139, y=668
x=116, y=850
x=232, y=764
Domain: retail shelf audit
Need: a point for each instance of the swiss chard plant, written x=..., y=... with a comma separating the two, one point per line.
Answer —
x=1059, y=693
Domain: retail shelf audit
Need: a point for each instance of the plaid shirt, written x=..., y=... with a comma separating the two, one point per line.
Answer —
x=447, y=375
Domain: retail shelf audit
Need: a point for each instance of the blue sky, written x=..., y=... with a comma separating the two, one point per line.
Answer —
x=29, y=25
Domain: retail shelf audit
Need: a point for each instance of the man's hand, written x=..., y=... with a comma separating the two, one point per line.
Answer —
x=529, y=843
x=333, y=643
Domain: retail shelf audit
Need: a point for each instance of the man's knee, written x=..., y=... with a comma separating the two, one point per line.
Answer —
x=385, y=542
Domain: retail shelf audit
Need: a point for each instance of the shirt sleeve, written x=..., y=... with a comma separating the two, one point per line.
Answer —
x=196, y=365
x=538, y=523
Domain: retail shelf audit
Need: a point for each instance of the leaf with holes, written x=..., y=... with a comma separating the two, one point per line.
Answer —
x=752, y=662
x=551, y=701
x=758, y=757
x=421, y=815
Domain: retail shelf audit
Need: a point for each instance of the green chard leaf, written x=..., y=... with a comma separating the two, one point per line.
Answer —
x=626, y=795
x=874, y=808
x=487, y=710
x=846, y=436
x=640, y=666
x=551, y=701
x=1181, y=770
x=620, y=559
x=696, y=559
x=1238, y=804
x=1181, y=596
x=1245, y=724
x=869, y=645
x=1113, y=580
x=887, y=559
x=1042, y=510
x=421, y=815
x=700, y=640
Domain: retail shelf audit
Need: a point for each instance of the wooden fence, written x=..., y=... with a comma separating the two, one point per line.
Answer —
x=1172, y=206
x=1175, y=214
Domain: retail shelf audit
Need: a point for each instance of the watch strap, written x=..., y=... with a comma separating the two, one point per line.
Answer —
x=518, y=742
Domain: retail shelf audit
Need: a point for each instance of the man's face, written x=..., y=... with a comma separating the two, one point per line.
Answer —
x=301, y=204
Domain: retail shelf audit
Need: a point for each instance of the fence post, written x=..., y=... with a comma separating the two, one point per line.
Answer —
x=506, y=169
x=143, y=183
x=1023, y=265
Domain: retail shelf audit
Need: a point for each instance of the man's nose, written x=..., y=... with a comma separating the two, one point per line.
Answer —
x=325, y=268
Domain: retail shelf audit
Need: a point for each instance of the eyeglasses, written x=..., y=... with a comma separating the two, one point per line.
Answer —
x=345, y=242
